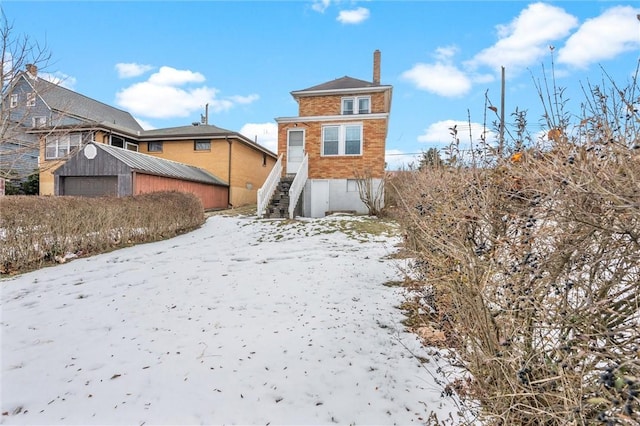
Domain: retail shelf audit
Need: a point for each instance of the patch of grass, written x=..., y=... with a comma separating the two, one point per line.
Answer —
x=249, y=210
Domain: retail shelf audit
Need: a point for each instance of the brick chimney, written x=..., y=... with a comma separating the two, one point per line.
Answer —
x=376, y=67
x=32, y=70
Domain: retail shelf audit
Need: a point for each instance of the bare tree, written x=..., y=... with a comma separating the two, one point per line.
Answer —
x=18, y=148
x=371, y=191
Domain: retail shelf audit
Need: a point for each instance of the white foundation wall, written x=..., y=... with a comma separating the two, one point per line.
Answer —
x=330, y=195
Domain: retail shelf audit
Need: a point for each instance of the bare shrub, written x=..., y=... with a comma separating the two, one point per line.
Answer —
x=371, y=191
x=533, y=262
x=81, y=226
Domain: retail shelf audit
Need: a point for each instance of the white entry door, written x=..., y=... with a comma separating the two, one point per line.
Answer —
x=295, y=150
x=319, y=198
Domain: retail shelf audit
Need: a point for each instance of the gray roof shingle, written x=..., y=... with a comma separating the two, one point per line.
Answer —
x=345, y=82
x=65, y=101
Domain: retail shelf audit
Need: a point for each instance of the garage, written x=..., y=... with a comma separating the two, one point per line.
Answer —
x=103, y=170
x=89, y=186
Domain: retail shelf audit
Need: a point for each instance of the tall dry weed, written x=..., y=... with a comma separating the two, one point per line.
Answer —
x=531, y=264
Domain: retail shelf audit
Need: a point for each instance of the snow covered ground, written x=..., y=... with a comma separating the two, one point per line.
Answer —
x=243, y=321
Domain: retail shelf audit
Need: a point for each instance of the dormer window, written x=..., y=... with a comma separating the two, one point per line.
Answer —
x=356, y=105
x=31, y=99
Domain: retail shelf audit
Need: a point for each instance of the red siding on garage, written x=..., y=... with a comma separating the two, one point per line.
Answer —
x=212, y=196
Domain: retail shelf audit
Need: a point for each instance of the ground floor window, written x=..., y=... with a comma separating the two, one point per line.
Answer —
x=344, y=139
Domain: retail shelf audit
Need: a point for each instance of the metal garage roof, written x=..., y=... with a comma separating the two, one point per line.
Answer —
x=159, y=166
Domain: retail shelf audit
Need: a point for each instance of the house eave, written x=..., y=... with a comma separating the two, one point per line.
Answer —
x=369, y=89
x=333, y=118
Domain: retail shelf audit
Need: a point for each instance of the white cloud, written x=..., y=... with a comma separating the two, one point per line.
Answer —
x=145, y=124
x=170, y=93
x=161, y=101
x=245, y=99
x=59, y=78
x=603, y=37
x=354, y=16
x=266, y=134
x=132, y=69
x=172, y=77
x=320, y=5
x=527, y=38
x=440, y=78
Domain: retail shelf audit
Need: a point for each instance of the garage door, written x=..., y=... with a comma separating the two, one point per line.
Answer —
x=90, y=186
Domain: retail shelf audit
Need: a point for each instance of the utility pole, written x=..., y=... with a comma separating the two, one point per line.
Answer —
x=501, y=141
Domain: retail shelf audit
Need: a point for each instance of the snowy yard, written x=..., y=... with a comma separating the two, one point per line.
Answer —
x=239, y=322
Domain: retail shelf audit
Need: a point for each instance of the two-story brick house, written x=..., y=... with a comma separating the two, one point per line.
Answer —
x=337, y=139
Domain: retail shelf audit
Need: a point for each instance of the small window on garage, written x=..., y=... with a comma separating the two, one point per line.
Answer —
x=155, y=147
x=202, y=145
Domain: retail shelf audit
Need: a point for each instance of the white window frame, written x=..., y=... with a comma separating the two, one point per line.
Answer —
x=31, y=99
x=39, y=121
x=342, y=140
x=60, y=146
x=131, y=146
x=355, y=105
x=13, y=102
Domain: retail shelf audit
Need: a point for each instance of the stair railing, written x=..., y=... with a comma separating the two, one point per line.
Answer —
x=269, y=187
x=298, y=185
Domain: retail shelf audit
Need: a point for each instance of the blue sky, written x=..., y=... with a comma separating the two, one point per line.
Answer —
x=163, y=61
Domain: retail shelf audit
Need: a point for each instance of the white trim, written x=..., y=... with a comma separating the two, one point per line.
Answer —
x=342, y=139
x=356, y=104
x=379, y=116
x=13, y=100
x=39, y=121
x=31, y=99
x=304, y=140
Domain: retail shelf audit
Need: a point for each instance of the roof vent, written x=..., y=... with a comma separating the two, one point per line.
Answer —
x=195, y=123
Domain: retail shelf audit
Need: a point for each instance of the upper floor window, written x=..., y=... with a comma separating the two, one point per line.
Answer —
x=154, y=147
x=356, y=105
x=39, y=121
x=345, y=139
x=60, y=146
x=202, y=145
x=14, y=100
x=117, y=141
x=31, y=99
